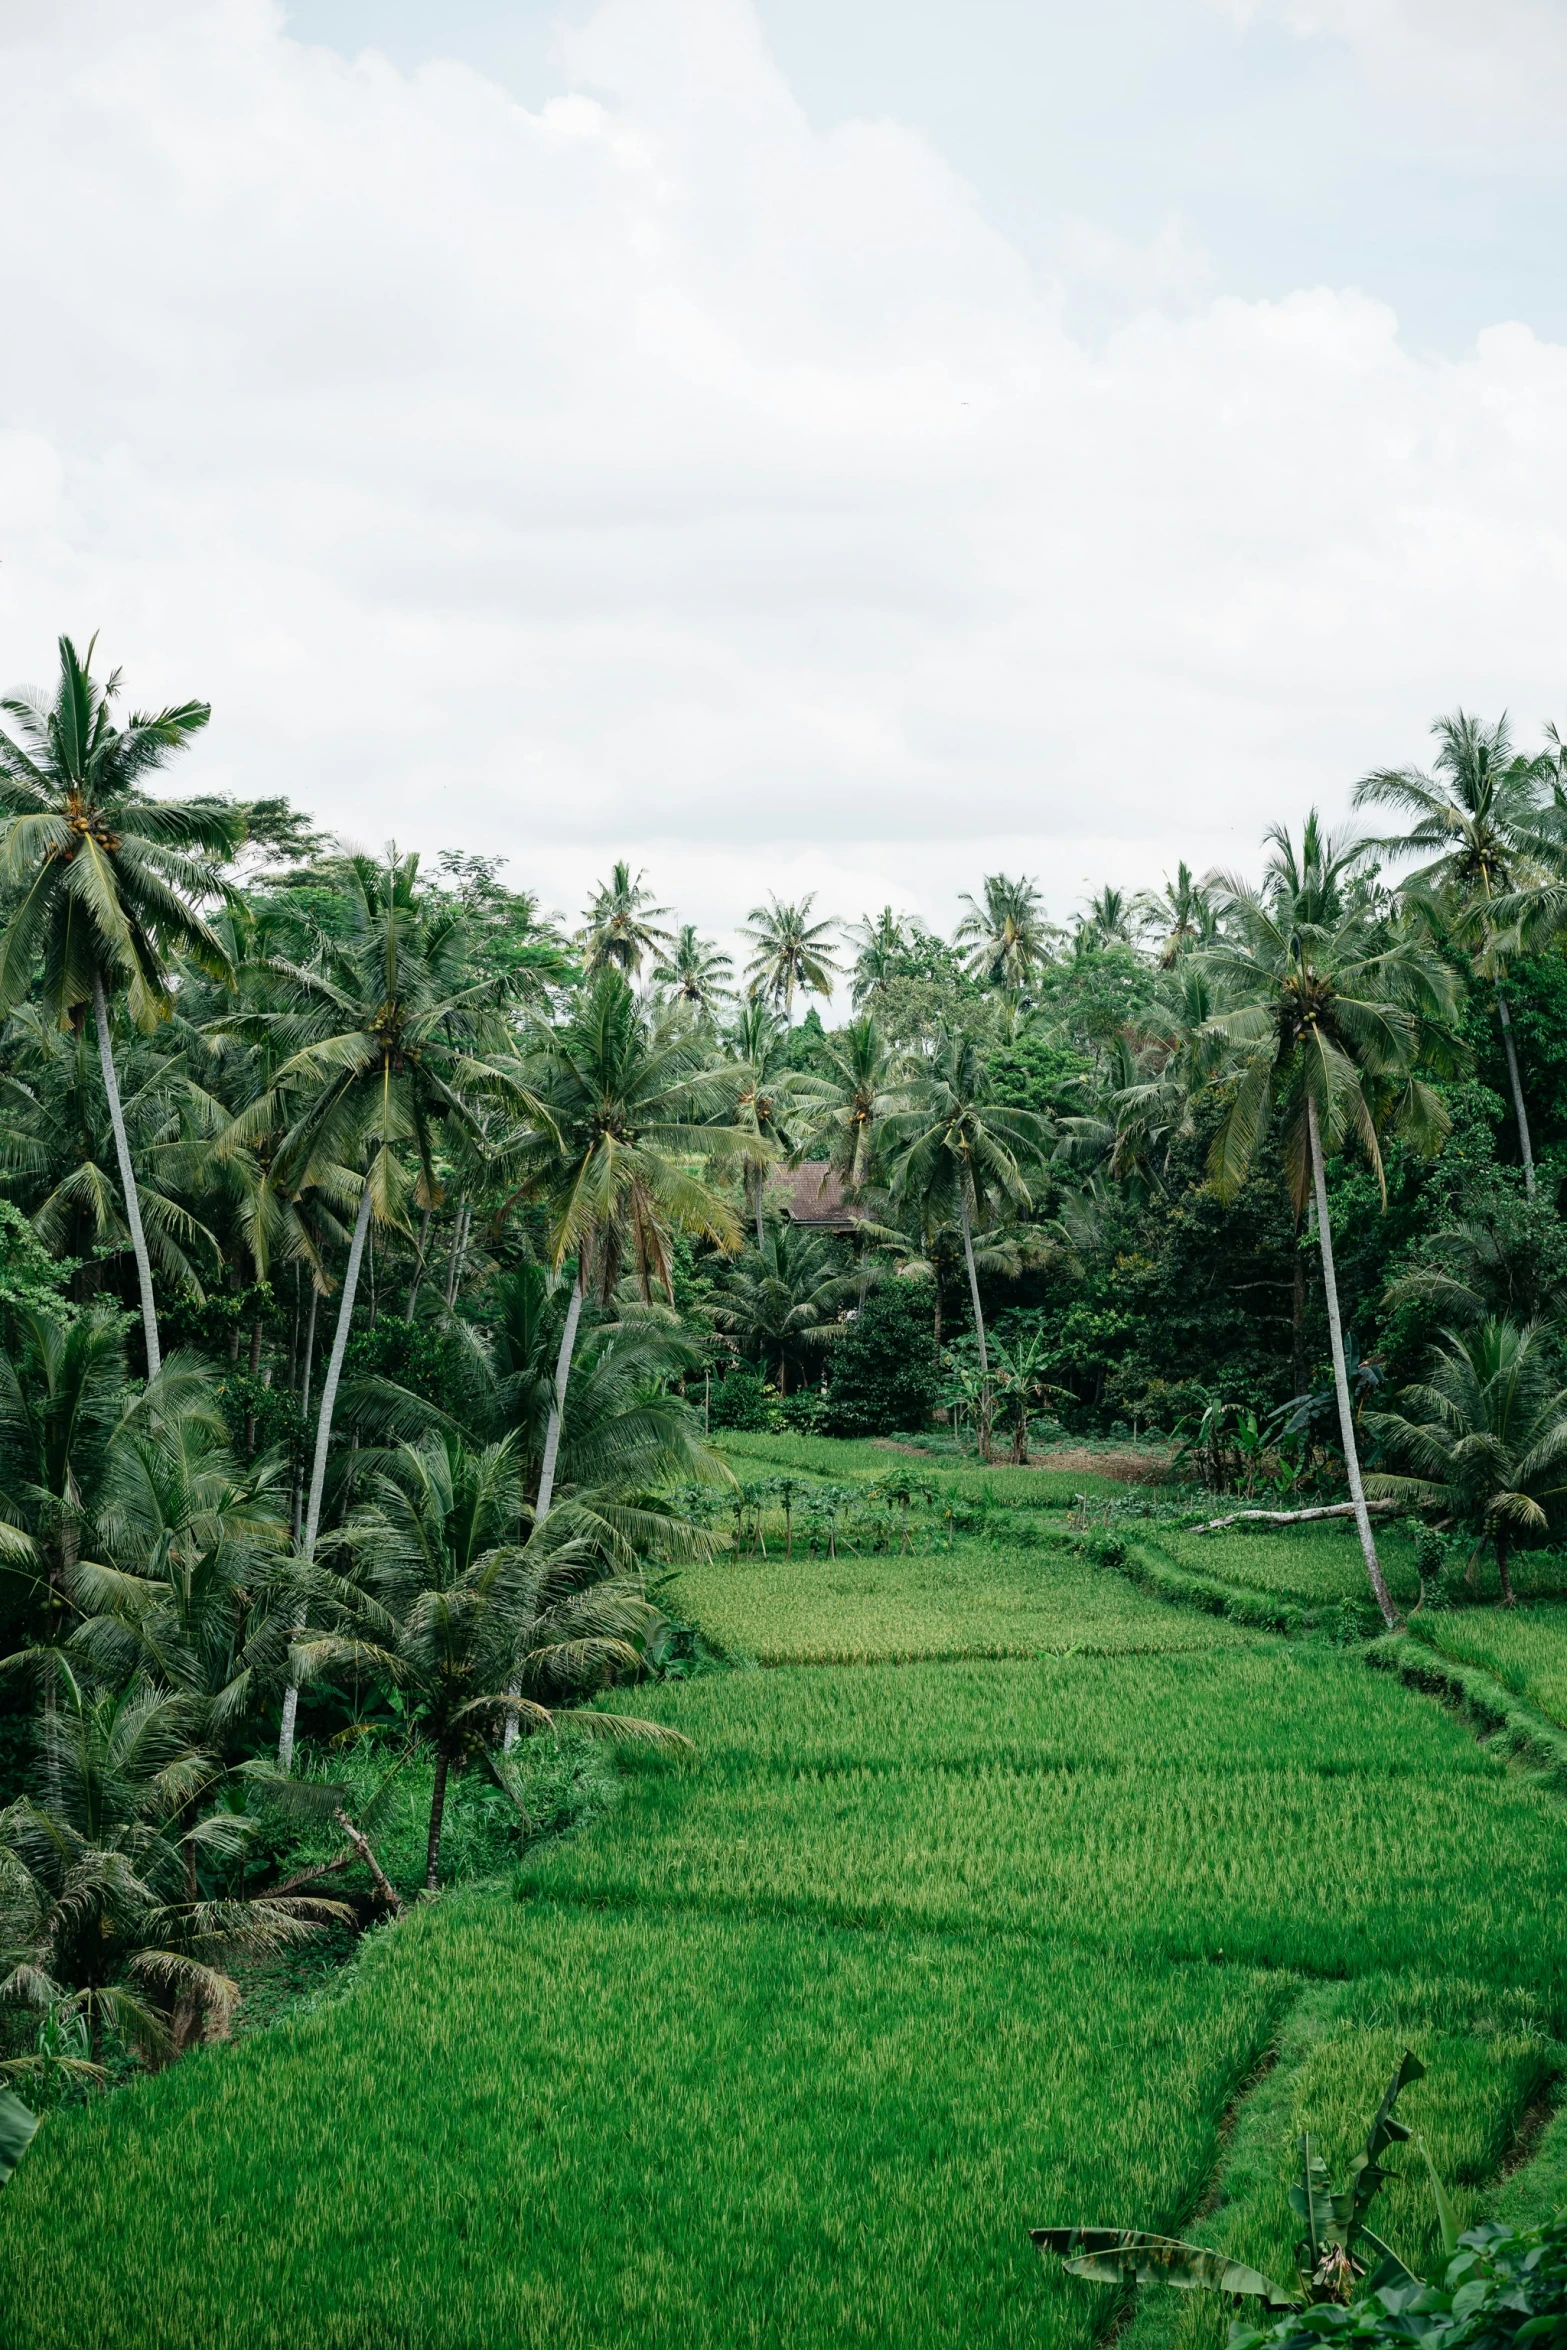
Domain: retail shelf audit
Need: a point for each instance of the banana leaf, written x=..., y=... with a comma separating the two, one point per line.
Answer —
x=16, y=2132
x=1114, y=2256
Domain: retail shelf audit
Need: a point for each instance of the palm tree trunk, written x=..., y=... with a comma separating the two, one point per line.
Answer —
x=546, y=1492
x=756, y=1180
x=1519, y=1112
x=459, y=1243
x=122, y=1151
x=979, y=1329
x=1509, y=1598
x=334, y=1372
x=1346, y=1416
x=413, y=1286
x=304, y=1403
x=432, y=1850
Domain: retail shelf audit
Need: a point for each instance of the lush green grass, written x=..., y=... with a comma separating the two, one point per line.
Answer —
x=796, y=2045
x=872, y=1458
x=1487, y=2063
x=1525, y=1648
x=1314, y=1564
x=983, y=1598
x=1277, y=1806
x=543, y=2126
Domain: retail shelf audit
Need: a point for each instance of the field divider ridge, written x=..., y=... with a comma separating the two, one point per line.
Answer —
x=1500, y=1718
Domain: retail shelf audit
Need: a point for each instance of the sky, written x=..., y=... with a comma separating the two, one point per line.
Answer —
x=846, y=447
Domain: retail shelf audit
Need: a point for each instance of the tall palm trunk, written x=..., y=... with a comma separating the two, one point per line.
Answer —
x=756, y=1179
x=432, y=1850
x=413, y=1286
x=1519, y=1112
x=979, y=1327
x=546, y=1493
x=122, y=1151
x=1346, y=1415
x=334, y=1372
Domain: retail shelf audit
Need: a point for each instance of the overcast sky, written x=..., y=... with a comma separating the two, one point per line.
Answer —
x=846, y=445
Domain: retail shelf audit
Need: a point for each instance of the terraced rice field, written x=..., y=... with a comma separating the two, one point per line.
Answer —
x=1525, y=1648
x=794, y=2047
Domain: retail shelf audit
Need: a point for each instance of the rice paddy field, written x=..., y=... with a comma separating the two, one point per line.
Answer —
x=1525, y=1648
x=999, y=1894
x=1319, y=1564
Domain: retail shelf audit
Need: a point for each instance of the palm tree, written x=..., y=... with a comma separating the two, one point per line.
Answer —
x=694, y=972
x=476, y=1626
x=867, y=1084
x=620, y=925
x=1108, y=921
x=377, y=1042
x=1008, y=938
x=1477, y=824
x=791, y=951
x=1181, y=913
x=881, y=948
x=107, y=882
x=785, y=1296
x=620, y=1112
x=1326, y=1005
x=103, y=1912
x=958, y=1147
x=771, y=1103
x=1485, y=1437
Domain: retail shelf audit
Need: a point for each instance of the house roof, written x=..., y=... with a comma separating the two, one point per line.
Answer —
x=812, y=1195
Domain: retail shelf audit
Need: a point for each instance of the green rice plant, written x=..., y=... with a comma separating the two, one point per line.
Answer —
x=1488, y=2063
x=867, y=1458
x=1318, y=1565
x=1333, y=1853
x=550, y=2125
x=980, y=1599
x=1525, y=1648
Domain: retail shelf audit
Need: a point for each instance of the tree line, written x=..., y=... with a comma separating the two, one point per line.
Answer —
x=376, y=1256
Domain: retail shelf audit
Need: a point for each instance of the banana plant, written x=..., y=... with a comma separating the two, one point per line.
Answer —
x=1326, y=2255
x=17, y=2126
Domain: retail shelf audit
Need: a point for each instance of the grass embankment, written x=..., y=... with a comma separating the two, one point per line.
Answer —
x=796, y=2045
x=880, y=1459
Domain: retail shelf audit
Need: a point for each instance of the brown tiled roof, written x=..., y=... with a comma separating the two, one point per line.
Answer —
x=812, y=1194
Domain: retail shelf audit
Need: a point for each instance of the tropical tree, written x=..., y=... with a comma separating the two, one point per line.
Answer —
x=1108, y=921
x=103, y=1908
x=771, y=1103
x=784, y=1298
x=1009, y=941
x=1483, y=1438
x=377, y=1042
x=790, y=951
x=1328, y=1006
x=621, y=925
x=864, y=1083
x=1477, y=826
x=694, y=972
x=619, y=1115
x=880, y=947
x=1180, y=915
x=958, y=1148
x=477, y=1626
x=105, y=884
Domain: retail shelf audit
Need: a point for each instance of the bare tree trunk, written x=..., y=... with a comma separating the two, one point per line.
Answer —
x=122, y=1150
x=756, y=1202
x=1519, y=1112
x=979, y=1330
x=304, y=1404
x=432, y=1851
x=1346, y=1415
x=546, y=1492
x=1508, y=1596
x=334, y=1372
x=1299, y=1369
x=454, y=1262
x=413, y=1286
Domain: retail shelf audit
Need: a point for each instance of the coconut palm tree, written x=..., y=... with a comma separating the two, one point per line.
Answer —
x=960, y=1150
x=1108, y=921
x=771, y=1104
x=1180, y=914
x=620, y=925
x=1477, y=826
x=784, y=1298
x=695, y=973
x=1005, y=931
x=864, y=1083
x=477, y=1626
x=105, y=883
x=880, y=949
x=1483, y=1438
x=379, y=1041
x=1327, y=1005
x=103, y=1911
x=620, y=1113
x=790, y=951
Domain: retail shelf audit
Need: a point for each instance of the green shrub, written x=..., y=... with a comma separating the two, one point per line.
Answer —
x=883, y=1377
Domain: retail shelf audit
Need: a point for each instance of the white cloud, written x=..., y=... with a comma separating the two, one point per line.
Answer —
x=655, y=475
x=1484, y=62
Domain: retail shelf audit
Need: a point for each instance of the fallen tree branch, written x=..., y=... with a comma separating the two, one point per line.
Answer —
x=324, y=1868
x=1332, y=1509
x=383, y=1884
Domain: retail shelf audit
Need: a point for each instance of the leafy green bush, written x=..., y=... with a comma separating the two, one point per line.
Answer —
x=741, y=1399
x=883, y=1377
x=1502, y=2285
